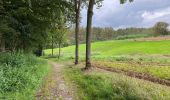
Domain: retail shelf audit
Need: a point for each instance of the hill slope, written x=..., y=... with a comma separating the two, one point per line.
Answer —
x=115, y=48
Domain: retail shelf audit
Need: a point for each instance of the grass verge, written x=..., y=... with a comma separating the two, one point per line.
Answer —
x=20, y=76
x=100, y=85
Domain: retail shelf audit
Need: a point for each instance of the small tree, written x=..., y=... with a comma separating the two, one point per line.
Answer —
x=51, y=41
x=77, y=28
x=61, y=38
x=57, y=37
x=161, y=28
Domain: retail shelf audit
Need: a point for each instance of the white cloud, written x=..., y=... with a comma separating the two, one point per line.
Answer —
x=149, y=18
x=140, y=13
x=156, y=14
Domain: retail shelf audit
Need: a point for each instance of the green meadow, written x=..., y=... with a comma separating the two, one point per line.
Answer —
x=144, y=57
x=117, y=48
x=25, y=72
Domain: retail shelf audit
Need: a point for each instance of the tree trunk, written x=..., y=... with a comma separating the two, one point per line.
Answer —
x=89, y=33
x=59, y=50
x=2, y=44
x=52, y=47
x=40, y=50
x=77, y=10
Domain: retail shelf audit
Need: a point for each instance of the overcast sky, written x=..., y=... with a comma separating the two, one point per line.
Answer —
x=140, y=13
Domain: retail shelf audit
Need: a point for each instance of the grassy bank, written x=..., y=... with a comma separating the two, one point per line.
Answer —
x=20, y=76
x=100, y=85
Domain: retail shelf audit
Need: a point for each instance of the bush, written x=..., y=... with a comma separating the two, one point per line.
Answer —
x=21, y=74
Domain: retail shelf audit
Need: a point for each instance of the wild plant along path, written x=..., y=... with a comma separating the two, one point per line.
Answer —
x=55, y=86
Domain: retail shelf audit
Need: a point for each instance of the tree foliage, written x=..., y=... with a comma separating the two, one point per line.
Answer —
x=109, y=33
x=24, y=23
x=161, y=28
x=124, y=1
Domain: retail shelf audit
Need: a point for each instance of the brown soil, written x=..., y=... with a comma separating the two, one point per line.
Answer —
x=55, y=87
x=153, y=38
x=143, y=76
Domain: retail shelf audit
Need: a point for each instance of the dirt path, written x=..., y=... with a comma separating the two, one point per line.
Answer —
x=55, y=86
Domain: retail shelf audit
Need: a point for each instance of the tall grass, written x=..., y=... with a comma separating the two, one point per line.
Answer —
x=20, y=75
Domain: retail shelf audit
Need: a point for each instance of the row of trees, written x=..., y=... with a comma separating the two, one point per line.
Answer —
x=78, y=4
x=107, y=33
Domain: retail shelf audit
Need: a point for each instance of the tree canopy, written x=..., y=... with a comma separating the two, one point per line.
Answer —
x=24, y=23
x=161, y=28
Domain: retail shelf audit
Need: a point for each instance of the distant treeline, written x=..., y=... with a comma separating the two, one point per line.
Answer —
x=108, y=33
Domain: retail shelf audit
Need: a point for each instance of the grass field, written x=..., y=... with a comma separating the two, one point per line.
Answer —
x=152, y=57
x=119, y=49
x=143, y=57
